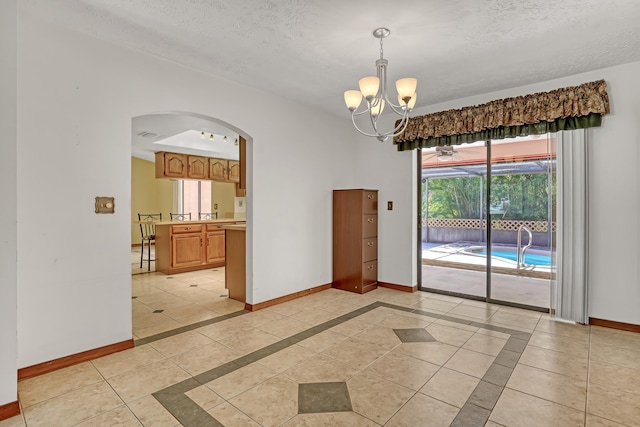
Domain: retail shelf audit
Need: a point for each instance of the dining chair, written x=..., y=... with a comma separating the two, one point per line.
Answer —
x=180, y=216
x=207, y=215
x=148, y=233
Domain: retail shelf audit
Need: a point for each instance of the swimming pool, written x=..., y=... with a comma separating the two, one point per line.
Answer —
x=529, y=258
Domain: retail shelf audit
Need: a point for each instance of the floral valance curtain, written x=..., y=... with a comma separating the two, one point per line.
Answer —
x=562, y=109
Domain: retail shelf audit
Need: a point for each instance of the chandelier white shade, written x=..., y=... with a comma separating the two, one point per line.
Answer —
x=374, y=90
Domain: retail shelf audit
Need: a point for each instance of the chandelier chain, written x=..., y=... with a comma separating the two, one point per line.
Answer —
x=381, y=57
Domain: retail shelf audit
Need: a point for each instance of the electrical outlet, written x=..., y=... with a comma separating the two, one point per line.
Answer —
x=215, y=206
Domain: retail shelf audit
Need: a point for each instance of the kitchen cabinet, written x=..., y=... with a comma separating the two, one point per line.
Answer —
x=170, y=165
x=217, y=169
x=183, y=166
x=198, y=167
x=234, y=171
x=215, y=247
x=194, y=245
x=355, y=240
x=186, y=246
x=236, y=266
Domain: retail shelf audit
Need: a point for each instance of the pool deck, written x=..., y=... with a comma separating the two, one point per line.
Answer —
x=449, y=267
x=458, y=255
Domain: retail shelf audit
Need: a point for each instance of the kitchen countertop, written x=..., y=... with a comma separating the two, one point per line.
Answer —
x=235, y=227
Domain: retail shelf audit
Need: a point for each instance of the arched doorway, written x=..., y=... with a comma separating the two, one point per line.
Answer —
x=163, y=302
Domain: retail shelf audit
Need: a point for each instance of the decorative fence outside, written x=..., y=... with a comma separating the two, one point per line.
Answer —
x=448, y=230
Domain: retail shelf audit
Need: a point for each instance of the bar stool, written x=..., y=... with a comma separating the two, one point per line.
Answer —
x=180, y=216
x=207, y=215
x=148, y=233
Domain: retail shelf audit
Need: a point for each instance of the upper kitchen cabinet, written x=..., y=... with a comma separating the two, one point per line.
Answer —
x=171, y=165
x=186, y=166
x=234, y=171
x=198, y=167
x=218, y=169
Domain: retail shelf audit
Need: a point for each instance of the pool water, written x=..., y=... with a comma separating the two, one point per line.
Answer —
x=533, y=259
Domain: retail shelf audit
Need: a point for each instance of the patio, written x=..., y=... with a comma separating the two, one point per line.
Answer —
x=452, y=269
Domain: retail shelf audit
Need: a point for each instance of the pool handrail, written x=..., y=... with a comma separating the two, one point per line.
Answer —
x=520, y=250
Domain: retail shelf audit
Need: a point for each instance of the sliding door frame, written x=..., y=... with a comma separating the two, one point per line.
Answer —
x=489, y=243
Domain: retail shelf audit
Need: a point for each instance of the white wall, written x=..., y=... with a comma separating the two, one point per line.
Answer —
x=380, y=166
x=76, y=97
x=8, y=171
x=614, y=189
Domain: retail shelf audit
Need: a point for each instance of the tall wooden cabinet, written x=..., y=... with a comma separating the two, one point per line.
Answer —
x=355, y=240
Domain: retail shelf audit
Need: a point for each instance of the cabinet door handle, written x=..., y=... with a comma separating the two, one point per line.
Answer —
x=370, y=267
x=370, y=244
x=370, y=220
x=370, y=196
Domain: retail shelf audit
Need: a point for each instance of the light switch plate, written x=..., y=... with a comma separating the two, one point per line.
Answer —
x=105, y=205
x=389, y=206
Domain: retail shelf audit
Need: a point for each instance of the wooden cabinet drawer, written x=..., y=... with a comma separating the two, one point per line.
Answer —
x=186, y=228
x=369, y=273
x=370, y=249
x=370, y=202
x=370, y=226
x=218, y=226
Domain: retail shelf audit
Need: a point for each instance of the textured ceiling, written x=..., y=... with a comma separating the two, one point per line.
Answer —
x=313, y=50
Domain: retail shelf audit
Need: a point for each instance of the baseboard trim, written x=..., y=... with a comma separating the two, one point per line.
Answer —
x=398, y=287
x=285, y=298
x=74, y=359
x=9, y=410
x=614, y=325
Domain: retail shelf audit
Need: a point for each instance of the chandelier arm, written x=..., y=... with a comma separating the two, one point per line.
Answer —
x=359, y=113
x=375, y=135
x=402, y=124
x=392, y=133
x=398, y=109
x=399, y=128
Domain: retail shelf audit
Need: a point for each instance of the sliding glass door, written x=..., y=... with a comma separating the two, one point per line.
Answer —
x=488, y=220
x=453, y=189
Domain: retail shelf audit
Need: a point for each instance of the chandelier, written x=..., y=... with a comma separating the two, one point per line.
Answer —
x=374, y=91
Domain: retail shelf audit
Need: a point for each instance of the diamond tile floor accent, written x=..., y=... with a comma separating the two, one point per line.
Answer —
x=323, y=397
x=190, y=366
x=414, y=335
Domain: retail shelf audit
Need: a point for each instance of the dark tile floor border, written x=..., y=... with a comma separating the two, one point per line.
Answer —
x=187, y=328
x=475, y=411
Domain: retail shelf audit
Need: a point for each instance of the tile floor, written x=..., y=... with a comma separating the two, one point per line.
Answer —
x=340, y=359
